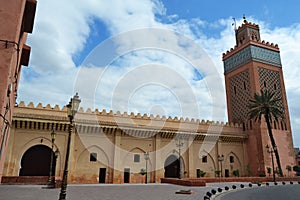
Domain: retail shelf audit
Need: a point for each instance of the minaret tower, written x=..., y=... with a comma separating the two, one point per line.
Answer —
x=250, y=66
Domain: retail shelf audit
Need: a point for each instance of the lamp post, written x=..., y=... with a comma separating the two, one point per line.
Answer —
x=271, y=151
x=146, y=158
x=50, y=183
x=72, y=108
x=179, y=145
x=221, y=159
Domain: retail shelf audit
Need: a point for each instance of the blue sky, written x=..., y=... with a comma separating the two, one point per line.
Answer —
x=270, y=11
x=104, y=50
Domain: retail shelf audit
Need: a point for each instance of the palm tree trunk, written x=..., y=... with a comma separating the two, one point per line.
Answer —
x=273, y=143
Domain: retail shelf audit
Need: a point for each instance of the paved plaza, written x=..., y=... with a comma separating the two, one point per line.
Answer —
x=150, y=192
x=107, y=192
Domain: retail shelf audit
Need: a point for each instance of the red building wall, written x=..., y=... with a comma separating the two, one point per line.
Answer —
x=16, y=19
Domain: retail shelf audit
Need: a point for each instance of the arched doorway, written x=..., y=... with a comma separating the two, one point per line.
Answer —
x=172, y=167
x=36, y=161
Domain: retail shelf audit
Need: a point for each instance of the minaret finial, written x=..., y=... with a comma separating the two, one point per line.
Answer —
x=234, y=24
x=244, y=17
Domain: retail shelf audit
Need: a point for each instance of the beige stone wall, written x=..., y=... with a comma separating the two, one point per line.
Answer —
x=116, y=145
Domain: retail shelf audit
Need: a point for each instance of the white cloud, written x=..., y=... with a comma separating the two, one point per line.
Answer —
x=61, y=31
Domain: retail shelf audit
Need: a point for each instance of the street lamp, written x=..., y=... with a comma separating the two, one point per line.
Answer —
x=72, y=108
x=179, y=145
x=146, y=158
x=221, y=159
x=271, y=151
x=50, y=183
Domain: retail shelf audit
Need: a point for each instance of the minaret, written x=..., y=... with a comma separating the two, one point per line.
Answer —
x=250, y=66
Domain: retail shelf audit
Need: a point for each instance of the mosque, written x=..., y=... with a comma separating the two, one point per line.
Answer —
x=114, y=147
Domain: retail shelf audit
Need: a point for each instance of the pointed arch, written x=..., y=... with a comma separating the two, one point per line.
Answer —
x=137, y=150
x=236, y=165
x=102, y=157
x=175, y=153
x=203, y=152
x=171, y=167
x=128, y=160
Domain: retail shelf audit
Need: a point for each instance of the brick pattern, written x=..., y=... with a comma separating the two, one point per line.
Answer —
x=270, y=80
x=34, y=180
x=240, y=95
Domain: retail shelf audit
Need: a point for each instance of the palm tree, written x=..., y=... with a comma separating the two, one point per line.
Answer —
x=266, y=104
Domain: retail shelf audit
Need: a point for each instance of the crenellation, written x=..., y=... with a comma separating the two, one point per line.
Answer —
x=48, y=107
x=111, y=113
x=175, y=119
x=97, y=111
x=187, y=119
x=125, y=114
x=81, y=110
x=39, y=106
x=21, y=104
x=30, y=105
x=64, y=109
x=138, y=116
x=56, y=107
x=118, y=114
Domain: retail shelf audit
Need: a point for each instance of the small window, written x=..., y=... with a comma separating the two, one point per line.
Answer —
x=231, y=159
x=136, y=158
x=265, y=84
x=93, y=157
x=204, y=159
x=245, y=85
x=234, y=88
x=275, y=87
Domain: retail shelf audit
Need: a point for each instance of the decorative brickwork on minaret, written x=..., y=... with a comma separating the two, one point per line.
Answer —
x=250, y=66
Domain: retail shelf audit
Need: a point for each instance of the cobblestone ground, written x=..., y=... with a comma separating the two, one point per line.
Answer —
x=107, y=192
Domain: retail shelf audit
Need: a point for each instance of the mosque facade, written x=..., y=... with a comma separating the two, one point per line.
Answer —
x=114, y=147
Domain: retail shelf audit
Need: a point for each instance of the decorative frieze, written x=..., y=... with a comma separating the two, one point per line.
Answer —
x=252, y=53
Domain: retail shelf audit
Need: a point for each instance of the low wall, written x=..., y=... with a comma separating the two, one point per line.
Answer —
x=36, y=180
x=250, y=179
x=184, y=181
